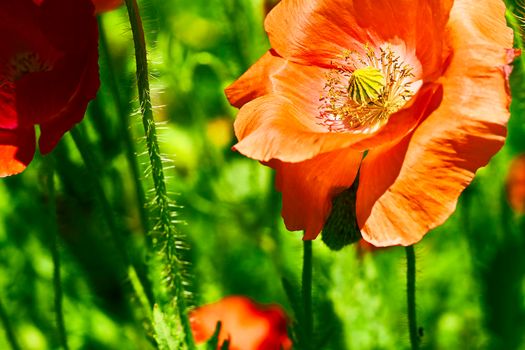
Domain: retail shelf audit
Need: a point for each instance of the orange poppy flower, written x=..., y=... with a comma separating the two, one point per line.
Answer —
x=515, y=184
x=245, y=324
x=412, y=93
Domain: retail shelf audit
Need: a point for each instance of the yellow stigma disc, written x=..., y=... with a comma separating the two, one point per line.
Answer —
x=366, y=85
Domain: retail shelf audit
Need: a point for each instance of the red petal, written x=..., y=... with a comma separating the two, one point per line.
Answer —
x=42, y=96
x=309, y=187
x=17, y=148
x=246, y=324
x=54, y=129
x=106, y=5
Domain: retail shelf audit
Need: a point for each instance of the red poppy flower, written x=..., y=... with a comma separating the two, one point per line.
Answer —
x=515, y=184
x=410, y=92
x=106, y=5
x=48, y=74
x=247, y=325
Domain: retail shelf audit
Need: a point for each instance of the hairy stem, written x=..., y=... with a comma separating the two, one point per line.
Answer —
x=307, y=294
x=411, y=297
x=168, y=237
x=55, y=252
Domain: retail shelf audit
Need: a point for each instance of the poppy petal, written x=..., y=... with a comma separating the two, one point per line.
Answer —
x=52, y=130
x=316, y=31
x=106, y=5
x=272, y=127
x=256, y=81
x=284, y=128
x=273, y=74
x=36, y=101
x=308, y=187
x=424, y=174
x=17, y=148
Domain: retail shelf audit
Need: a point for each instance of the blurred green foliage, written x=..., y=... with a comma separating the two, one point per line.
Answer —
x=470, y=283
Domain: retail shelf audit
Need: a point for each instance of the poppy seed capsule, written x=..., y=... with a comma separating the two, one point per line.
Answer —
x=366, y=85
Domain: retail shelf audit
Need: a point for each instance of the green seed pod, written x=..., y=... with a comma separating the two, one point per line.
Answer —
x=366, y=85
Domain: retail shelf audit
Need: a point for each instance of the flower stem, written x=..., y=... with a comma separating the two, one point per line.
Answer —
x=11, y=338
x=55, y=250
x=118, y=241
x=307, y=294
x=124, y=127
x=411, y=297
x=168, y=236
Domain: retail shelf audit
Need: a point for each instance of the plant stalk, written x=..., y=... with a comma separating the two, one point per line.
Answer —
x=411, y=297
x=307, y=294
x=164, y=226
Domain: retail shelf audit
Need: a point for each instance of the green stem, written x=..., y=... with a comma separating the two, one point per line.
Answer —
x=55, y=252
x=94, y=174
x=11, y=338
x=411, y=297
x=164, y=226
x=307, y=294
x=125, y=127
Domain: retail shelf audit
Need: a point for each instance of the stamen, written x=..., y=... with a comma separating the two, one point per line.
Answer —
x=363, y=91
x=24, y=63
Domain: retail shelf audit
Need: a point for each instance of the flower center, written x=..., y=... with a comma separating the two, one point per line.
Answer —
x=25, y=62
x=362, y=91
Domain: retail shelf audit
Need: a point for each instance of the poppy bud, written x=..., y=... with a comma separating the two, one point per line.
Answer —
x=341, y=227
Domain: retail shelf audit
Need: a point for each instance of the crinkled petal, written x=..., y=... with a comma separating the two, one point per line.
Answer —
x=281, y=127
x=316, y=31
x=423, y=176
x=272, y=127
x=273, y=74
x=309, y=187
x=256, y=81
x=17, y=148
